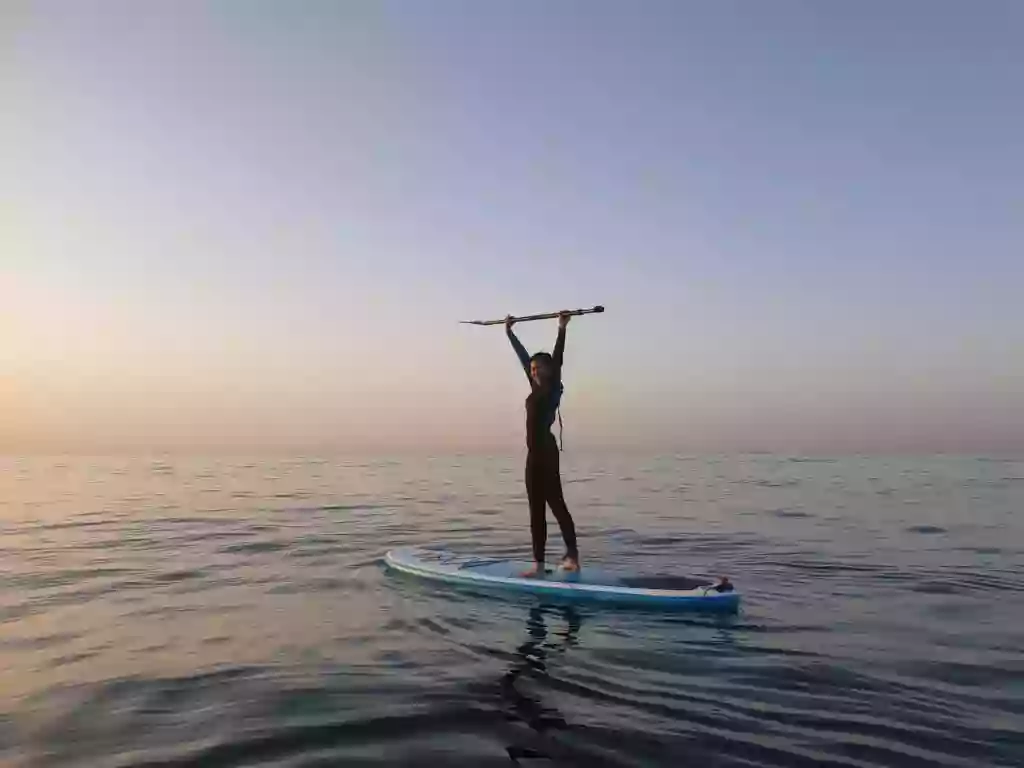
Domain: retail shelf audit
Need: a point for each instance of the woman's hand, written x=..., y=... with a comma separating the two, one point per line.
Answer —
x=563, y=318
x=509, y=322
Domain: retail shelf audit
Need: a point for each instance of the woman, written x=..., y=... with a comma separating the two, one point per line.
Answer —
x=543, y=484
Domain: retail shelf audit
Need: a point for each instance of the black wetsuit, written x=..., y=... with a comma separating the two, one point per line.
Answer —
x=543, y=483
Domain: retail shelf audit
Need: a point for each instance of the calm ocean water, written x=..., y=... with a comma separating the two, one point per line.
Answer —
x=234, y=612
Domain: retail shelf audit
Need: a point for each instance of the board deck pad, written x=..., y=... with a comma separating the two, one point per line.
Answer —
x=590, y=583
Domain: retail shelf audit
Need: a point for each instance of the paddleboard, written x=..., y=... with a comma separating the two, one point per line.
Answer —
x=590, y=584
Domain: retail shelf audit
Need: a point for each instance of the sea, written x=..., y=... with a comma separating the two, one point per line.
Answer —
x=236, y=611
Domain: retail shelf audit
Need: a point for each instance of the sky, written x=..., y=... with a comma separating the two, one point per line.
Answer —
x=254, y=225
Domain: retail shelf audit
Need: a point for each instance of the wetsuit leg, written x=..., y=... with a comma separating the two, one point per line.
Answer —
x=536, y=493
x=554, y=497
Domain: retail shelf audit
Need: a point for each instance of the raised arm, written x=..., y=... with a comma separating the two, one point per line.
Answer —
x=559, y=353
x=521, y=353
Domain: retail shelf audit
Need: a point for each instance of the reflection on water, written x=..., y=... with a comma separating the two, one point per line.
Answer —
x=531, y=663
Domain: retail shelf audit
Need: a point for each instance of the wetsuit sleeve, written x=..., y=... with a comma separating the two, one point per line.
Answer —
x=559, y=348
x=521, y=353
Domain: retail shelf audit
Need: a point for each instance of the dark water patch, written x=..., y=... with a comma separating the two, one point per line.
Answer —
x=982, y=550
x=138, y=541
x=761, y=482
x=170, y=612
x=181, y=575
x=488, y=512
x=72, y=524
x=317, y=540
x=317, y=585
x=319, y=561
x=87, y=513
x=782, y=512
x=73, y=658
x=939, y=588
x=321, y=553
x=255, y=547
x=200, y=519
x=925, y=529
x=434, y=626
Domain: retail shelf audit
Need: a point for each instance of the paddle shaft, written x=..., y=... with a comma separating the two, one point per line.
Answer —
x=545, y=316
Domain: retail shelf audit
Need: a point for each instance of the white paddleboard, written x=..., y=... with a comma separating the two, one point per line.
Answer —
x=497, y=574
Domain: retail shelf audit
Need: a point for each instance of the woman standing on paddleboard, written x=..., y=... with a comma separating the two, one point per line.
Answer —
x=543, y=482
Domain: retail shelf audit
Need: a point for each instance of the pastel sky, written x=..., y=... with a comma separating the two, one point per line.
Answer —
x=255, y=224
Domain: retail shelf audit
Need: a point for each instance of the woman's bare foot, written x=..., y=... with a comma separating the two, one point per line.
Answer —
x=533, y=573
x=570, y=564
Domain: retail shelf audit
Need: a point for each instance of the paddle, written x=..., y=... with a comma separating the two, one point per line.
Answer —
x=546, y=316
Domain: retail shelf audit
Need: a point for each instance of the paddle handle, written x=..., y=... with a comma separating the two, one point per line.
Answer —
x=545, y=316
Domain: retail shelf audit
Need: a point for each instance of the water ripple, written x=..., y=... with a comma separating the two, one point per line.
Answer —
x=186, y=613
